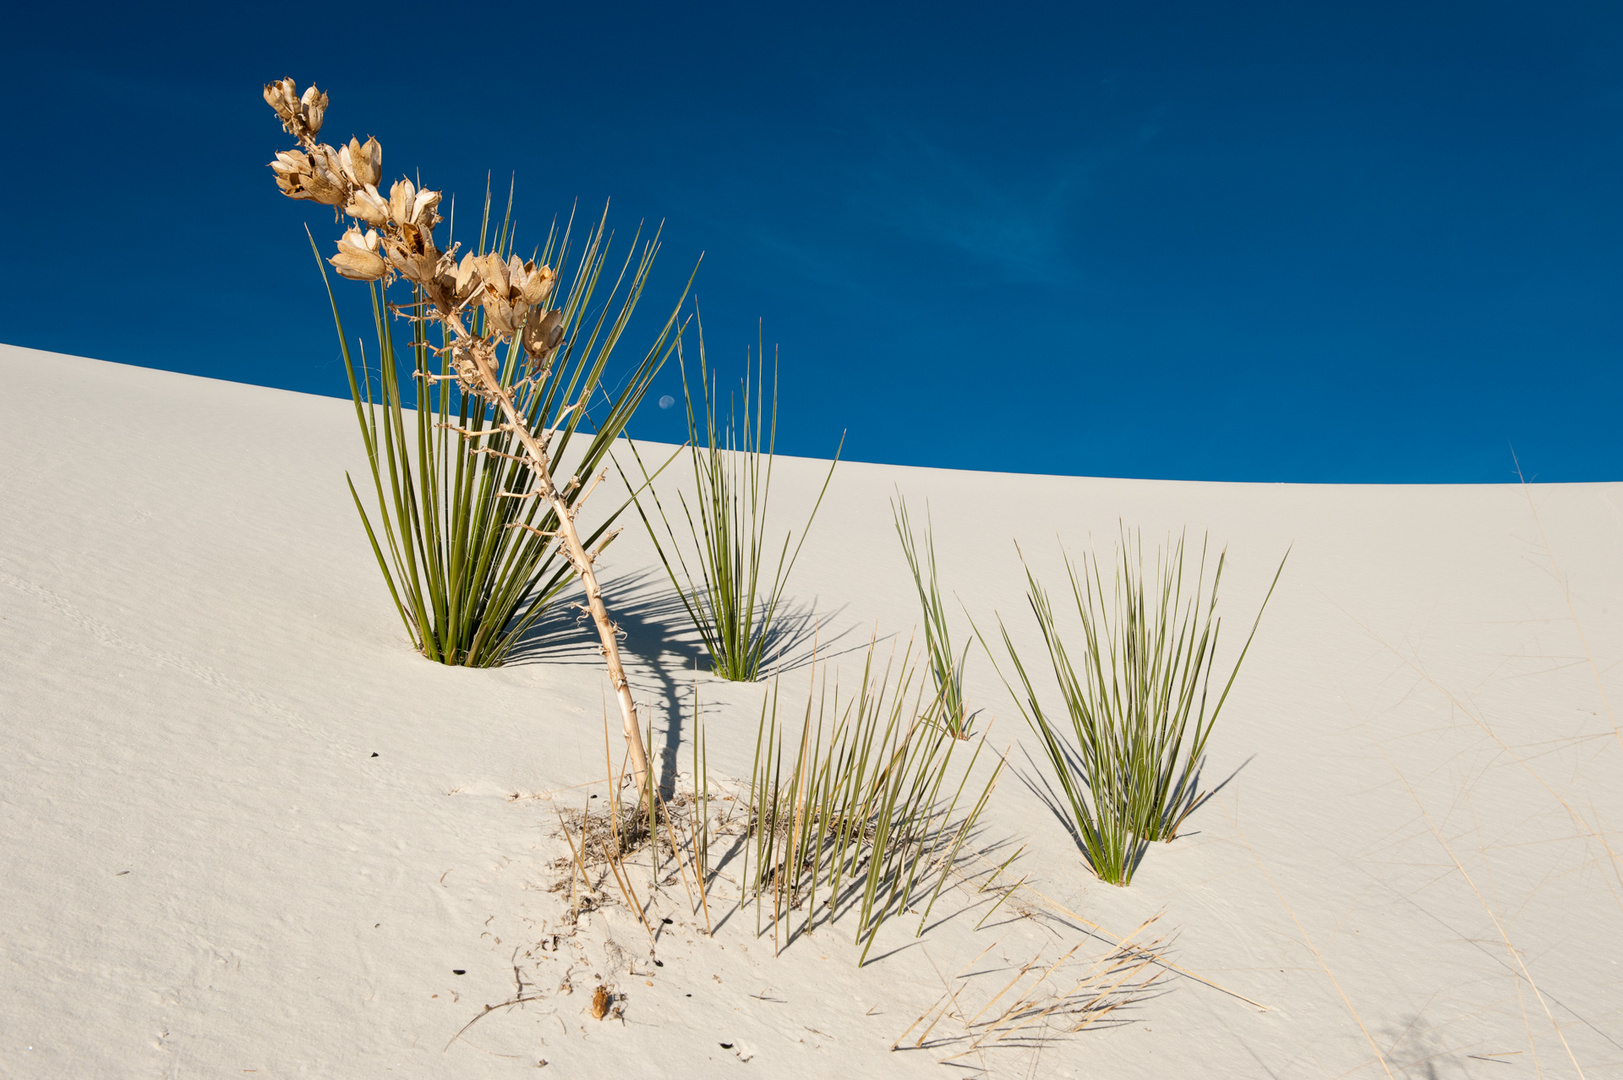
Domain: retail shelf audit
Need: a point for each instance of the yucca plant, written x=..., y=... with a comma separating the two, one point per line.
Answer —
x=732, y=605
x=468, y=553
x=526, y=372
x=946, y=667
x=1129, y=766
x=855, y=811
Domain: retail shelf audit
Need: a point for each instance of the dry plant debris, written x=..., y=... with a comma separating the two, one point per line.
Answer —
x=984, y=1008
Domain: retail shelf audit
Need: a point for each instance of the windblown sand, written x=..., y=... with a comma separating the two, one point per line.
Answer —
x=246, y=830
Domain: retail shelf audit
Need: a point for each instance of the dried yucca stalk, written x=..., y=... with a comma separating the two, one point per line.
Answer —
x=392, y=238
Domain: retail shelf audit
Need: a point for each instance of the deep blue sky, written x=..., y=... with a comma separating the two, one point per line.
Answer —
x=1310, y=242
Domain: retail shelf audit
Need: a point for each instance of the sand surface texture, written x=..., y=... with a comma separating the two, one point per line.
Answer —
x=246, y=830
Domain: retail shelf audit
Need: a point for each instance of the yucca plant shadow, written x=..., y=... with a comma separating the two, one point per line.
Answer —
x=643, y=612
x=976, y=843
x=735, y=851
x=656, y=624
x=656, y=628
x=797, y=638
x=560, y=635
x=1206, y=795
x=651, y=620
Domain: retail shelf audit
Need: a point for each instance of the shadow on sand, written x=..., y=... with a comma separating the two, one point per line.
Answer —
x=656, y=629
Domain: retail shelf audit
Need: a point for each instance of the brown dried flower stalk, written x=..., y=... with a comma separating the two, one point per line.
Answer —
x=392, y=238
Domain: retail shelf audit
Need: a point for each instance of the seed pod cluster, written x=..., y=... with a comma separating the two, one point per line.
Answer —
x=393, y=237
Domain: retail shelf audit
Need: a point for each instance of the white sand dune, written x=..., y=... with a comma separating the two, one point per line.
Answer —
x=1413, y=867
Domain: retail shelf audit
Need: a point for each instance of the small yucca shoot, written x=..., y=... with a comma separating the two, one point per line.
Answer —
x=735, y=609
x=946, y=667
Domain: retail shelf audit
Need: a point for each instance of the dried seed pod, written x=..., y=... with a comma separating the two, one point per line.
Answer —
x=467, y=278
x=292, y=170
x=542, y=334
x=308, y=176
x=325, y=181
x=300, y=115
x=408, y=206
x=517, y=269
x=411, y=250
x=358, y=257
x=503, y=316
x=536, y=283
x=493, y=273
x=365, y=203
x=312, y=107
x=283, y=96
x=362, y=163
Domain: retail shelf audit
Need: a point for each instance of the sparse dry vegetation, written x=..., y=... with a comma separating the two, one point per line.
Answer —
x=861, y=808
x=984, y=1009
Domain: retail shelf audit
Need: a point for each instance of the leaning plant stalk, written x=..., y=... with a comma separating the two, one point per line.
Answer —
x=511, y=295
x=489, y=386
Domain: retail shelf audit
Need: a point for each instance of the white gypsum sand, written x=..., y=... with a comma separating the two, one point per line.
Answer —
x=1412, y=866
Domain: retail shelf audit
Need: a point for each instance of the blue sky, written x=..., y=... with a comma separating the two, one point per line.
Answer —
x=1363, y=242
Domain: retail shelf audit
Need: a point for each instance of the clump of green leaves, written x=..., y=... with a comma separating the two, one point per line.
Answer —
x=466, y=548
x=735, y=609
x=946, y=667
x=1129, y=760
x=848, y=814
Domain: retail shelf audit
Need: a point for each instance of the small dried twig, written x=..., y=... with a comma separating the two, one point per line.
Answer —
x=531, y=528
x=476, y=434
x=517, y=999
